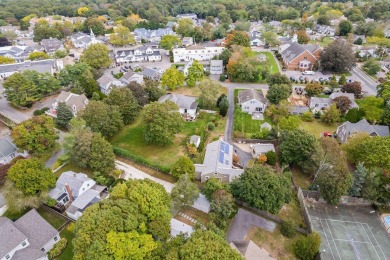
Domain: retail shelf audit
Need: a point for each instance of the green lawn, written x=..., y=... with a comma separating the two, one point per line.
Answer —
x=301, y=179
x=68, y=252
x=270, y=63
x=54, y=219
x=316, y=128
x=325, y=42
x=131, y=138
x=74, y=168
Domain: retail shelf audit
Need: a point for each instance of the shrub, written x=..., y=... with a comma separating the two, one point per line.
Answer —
x=287, y=229
x=354, y=115
x=307, y=116
x=307, y=247
x=271, y=157
x=41, y=111
x=71, y=227
x=58, y=248
x=50, y=202
x=222, y=78
x=117, y=181
x=210, y=126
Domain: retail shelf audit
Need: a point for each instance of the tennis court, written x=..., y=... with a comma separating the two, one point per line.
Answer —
x=349, y=233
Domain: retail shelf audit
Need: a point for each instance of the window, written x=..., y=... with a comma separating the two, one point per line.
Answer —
x=55, y=238
x=7, y=257
x=215, y=173
x=24, y=243
x=42, y=249
x=207, y=177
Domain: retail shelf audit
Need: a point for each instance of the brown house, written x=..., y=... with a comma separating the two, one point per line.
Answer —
x=301, y=56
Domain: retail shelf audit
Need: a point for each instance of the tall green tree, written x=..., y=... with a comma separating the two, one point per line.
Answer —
x=373, y=108
x=97, y=56
x=289, y=123
x=124, y=99
x=278, y=92
x=345, y=27
x=88, y=84
x=314, y=89
x=121, y=36
x=172, y=78
x=195, y=73
x=308, y=246
x=223, y=106
x=35, y=135
x=31, y=176
x=183, y=194
x=223, y=207
x=162, y=122
x=338, y=57
x=102, y=155
x=270, y=38
x=71, y=73
x=185, y=27
x=103, y=118
x=64, y=115
x=183, y=166
x=45, y=82
x=359, y=177
x=331, y=116
x=278, y=79
x=198, y=247
x=262, y=188
x=209, y=93
x=168, y=42
x=372, y=67
x=333, y=176
x=20, y=91
x=296, y=146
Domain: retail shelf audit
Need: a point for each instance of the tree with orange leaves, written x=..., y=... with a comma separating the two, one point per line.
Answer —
x=238, y=38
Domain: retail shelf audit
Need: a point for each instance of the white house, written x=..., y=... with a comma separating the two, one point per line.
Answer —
x=256, y=41
x=152, y=35
x=29, y=237
x=216, y=67
x=187, y=105
x=76, y=191
x=143, y=53
x=107, y=81
x=9, y=151
x=131, y=76
x=18, y=53
x=187, y=41
x=218, y=163
x=196, y=52
x=74, y=101
x=252, y=101
x=82, y=40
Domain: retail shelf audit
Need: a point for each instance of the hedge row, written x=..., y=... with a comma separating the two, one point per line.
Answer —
x=137, y=159
x=58, y=248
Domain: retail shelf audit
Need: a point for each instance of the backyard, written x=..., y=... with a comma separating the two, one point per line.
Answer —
x=270, y=63
x=316, y=128
x=324, y=42
x=131, y=138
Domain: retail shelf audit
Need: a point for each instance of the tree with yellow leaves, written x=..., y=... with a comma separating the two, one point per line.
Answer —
x=121, y=36
x=83, y=11
x=262, y=158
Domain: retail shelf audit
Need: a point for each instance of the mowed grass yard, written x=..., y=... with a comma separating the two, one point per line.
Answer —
x=316, y=128
x=271, y=62
x=131, y=138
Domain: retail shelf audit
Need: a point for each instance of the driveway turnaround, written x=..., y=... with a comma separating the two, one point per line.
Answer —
x=243, y=221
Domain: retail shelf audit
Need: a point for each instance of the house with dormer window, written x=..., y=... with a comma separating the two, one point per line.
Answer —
x=74, y=101
x=300, y=56
x=141, y=54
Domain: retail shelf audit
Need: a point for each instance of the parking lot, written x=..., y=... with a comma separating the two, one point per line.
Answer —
x=317, y=76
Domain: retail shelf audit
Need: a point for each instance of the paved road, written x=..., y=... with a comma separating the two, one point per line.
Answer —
x=369, y=85
x=243, y=221
x=131, y=172
x=49, y=163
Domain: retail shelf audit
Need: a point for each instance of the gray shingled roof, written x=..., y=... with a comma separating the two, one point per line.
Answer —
x=36, y=228
x=80, y=101
x=86, y=199
x=296, y=49
x=347, y=128
x=74, y=180
x=29, y=253
x=10, y=236
x=249, y=94
x=40, y=66
x=263, y=148
x=6, y=147
x=182, y=101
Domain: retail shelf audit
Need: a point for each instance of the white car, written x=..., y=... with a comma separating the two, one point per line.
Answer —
x=308, y=72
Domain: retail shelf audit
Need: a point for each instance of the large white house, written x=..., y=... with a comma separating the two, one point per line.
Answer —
x=252, y=101
x=196, y=52
x=76, y=190
x=18, y=53
x=140, y=54
x=82, y=40
x=29, y=237
x=42, y=66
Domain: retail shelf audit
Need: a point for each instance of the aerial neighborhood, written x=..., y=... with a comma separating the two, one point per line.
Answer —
x=247, y=129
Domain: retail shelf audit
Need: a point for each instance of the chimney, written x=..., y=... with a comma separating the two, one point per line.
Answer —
x=69, y=191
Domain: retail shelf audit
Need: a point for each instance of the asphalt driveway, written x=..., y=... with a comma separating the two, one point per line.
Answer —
x=243, y=221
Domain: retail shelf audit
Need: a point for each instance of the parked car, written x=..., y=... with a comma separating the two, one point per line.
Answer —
x=308, y=72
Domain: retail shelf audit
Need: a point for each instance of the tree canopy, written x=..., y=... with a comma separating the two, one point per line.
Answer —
x=278, y=92
x=135, y=215
x=35, y=135
x=338, y=57
x=162, y=122
x=121, y=36
x=124, y=99
x=262, y=188
x=97, y=56
x=172, y=78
